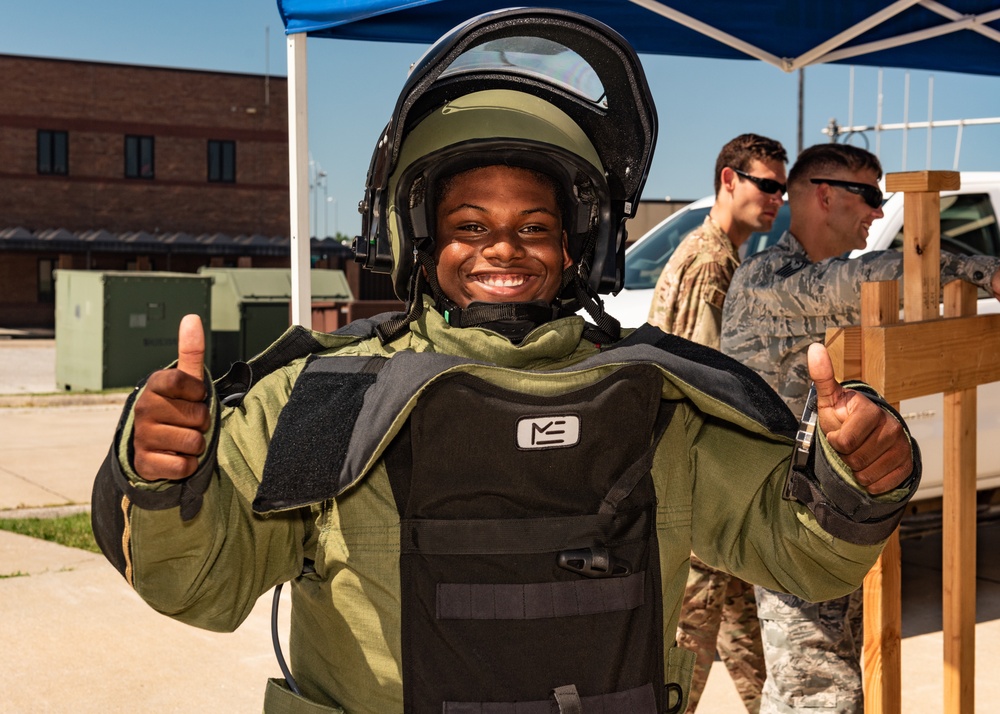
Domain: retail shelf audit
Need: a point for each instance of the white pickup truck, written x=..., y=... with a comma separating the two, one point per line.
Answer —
x=968, y=225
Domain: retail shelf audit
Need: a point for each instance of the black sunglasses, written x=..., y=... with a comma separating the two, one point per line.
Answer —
x=872, y=195
x=765, y=185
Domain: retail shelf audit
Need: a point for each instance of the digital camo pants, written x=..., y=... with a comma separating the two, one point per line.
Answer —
x=813, y=654
x=719, y=613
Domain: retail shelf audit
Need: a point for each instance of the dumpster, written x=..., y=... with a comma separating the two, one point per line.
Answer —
x=115, y=327
x=251, y=307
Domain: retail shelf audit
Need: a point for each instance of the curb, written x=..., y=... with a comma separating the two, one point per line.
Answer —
x=12, y=401
x=45, y=511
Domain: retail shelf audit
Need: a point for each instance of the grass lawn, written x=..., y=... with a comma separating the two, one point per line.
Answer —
x=73, y=530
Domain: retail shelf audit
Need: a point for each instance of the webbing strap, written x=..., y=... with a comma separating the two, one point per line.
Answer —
x=568, y=699
x=640, y=700
x=533, y=601
x=489, y=536
x=628, y=480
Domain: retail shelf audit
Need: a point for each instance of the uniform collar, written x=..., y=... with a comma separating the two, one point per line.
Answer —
x=710, y=227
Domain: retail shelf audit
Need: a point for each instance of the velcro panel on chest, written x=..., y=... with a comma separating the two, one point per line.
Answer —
x=528, y=557
x=310, y=441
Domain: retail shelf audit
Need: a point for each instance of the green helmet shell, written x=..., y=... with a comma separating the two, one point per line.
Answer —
x=498, y=126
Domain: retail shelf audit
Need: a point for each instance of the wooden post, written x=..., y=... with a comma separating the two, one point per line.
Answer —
x=883, y=584
x=959, y=538
x=922, y=238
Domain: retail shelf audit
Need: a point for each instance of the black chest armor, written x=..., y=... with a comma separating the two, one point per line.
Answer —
x=529, y=566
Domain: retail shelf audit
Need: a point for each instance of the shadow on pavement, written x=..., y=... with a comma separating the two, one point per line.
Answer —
x=922, y=582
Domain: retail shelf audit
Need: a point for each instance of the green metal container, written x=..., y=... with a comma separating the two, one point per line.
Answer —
x=115, y=327
x=251, y=308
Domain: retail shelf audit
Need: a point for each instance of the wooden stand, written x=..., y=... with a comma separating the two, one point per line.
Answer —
x=925, y=355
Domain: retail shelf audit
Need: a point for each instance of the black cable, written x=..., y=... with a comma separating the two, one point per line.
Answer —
x=277, y=645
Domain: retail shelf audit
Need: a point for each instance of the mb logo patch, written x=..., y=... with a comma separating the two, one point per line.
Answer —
x=548, y=432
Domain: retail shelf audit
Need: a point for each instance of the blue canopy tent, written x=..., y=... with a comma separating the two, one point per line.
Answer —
x=947, y=35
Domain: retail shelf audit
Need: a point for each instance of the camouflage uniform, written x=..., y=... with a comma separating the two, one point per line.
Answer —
x=718, y=610
x=692, y=288
x=779, y=303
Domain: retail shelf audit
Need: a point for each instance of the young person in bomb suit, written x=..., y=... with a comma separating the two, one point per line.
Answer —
x=487, y=500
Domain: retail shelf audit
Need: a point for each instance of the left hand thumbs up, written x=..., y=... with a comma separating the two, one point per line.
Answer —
x=867, y=437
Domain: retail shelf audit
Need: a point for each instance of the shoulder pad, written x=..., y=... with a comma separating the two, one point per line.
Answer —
x=295, y=343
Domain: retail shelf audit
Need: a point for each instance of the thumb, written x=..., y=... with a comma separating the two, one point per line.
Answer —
x=191, y=346
x=828, y=389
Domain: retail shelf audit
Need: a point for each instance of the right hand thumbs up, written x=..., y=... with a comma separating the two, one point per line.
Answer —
x=191, y=347
x=171, y=416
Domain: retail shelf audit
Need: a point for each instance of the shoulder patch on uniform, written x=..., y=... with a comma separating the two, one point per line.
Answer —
x=791, y=267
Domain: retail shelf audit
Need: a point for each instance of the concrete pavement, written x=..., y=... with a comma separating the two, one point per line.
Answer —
x=78, y=639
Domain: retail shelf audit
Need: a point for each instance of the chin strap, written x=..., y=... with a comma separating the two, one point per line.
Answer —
x=513, y=320
x=606, y=329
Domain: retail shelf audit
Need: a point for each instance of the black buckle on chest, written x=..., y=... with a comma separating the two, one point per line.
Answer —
x=594, y=563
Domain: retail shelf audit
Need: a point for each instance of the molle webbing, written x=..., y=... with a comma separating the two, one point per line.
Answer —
x=532, y=601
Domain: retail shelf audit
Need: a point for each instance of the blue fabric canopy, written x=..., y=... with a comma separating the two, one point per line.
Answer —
x=947, y=35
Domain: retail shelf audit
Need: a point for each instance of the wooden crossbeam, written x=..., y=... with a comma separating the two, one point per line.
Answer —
x=920, y=358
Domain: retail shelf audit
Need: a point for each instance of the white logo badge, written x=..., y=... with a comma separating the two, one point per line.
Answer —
x=548, y=432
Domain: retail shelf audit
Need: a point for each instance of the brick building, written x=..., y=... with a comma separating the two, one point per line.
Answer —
x=123, y=167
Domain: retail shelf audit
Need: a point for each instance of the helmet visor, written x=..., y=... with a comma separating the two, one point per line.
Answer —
x=535, y=58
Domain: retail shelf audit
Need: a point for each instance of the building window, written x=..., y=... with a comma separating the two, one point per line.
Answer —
x=53, y=152
x=139, y=157
x=222, y=161
x=46, y=281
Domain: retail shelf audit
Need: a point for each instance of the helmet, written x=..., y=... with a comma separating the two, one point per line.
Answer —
x=542, y=89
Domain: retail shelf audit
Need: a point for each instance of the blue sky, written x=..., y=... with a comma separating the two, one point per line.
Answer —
x=353, y=86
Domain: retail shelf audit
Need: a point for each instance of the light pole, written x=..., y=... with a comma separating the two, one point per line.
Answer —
x=336, y=223
x=321, y=176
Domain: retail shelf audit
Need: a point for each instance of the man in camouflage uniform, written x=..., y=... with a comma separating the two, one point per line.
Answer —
x=780, y=301
x=718, y=611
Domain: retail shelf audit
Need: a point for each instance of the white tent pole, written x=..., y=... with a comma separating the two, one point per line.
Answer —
x=716, y=34
x=816, y=53
x=966, y=23
x=298, y=181
x=978, y=22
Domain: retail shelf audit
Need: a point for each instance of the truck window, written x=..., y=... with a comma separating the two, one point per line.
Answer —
x=968, y=226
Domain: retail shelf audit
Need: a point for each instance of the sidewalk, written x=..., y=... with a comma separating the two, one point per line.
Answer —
x=84, y=642
x=78, y=638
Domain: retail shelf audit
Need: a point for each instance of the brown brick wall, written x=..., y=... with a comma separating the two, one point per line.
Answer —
x=98, y=104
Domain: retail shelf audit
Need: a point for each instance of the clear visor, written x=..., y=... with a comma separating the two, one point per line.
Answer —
x=537, y=58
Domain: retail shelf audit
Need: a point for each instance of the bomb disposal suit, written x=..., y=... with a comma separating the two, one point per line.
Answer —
x=490, y=508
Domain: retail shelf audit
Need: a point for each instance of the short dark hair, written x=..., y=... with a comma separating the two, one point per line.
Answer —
x=824, y=158
x=740, y=152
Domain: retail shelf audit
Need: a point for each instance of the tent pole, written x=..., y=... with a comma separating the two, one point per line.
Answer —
x=802, y=100
x=298, y=181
